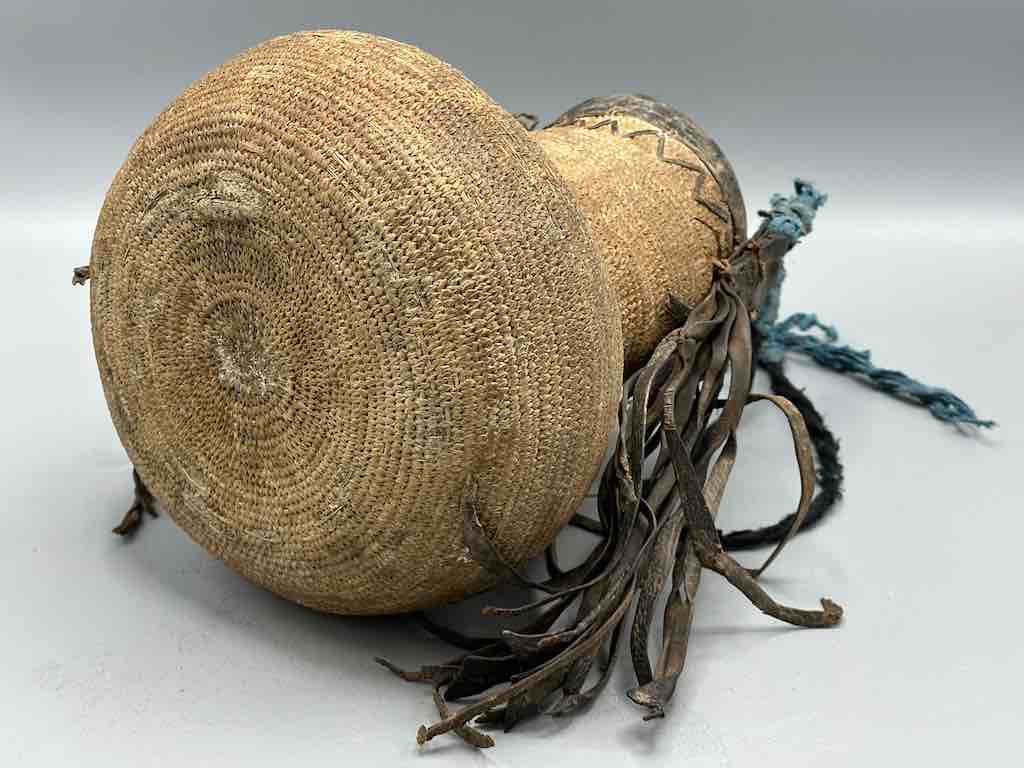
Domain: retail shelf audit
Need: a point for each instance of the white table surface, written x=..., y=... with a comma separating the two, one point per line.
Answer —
x=151, y=652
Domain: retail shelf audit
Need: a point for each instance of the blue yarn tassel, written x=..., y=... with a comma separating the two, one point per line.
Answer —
x=791, y=217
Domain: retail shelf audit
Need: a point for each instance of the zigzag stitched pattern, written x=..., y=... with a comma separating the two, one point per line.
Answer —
x=698, y=187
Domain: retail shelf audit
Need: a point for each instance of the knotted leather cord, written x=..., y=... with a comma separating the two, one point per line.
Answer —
x=526, y=119
x=143, y=504
x=674, y=416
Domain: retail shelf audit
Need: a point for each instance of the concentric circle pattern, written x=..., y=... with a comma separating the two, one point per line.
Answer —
x=332, y=285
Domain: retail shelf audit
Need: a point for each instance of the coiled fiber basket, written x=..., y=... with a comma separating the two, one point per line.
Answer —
x=343, y=302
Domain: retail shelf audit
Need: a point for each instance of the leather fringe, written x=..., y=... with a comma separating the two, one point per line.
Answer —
x=658, y=498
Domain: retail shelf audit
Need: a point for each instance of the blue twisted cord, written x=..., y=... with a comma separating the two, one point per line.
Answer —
x=781, y=338
x=791, y=217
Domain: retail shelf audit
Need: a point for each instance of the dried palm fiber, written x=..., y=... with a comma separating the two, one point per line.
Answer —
x=342, y=304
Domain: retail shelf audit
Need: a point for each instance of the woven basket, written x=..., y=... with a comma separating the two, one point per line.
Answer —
x=343, y=303
x=340, y=301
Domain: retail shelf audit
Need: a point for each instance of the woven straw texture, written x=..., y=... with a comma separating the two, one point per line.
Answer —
x=334, y=286
x=653, y=198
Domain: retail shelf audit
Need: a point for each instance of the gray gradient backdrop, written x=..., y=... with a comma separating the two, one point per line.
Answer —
x=152, y=653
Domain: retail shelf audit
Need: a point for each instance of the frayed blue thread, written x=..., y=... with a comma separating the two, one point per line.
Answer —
x=791, y=217
x=781, y=338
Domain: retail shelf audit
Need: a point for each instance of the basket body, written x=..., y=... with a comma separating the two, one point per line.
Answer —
x=334, y=286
